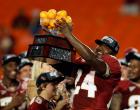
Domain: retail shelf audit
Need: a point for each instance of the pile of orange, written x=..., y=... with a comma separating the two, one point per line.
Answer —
x=48, y=18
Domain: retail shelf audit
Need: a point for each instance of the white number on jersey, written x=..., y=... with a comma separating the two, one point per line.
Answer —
x=134, y=102
x=87, y=84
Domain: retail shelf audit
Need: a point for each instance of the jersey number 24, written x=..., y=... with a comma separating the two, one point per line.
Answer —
x=87, y=84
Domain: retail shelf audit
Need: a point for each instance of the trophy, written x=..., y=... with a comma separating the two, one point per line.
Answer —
x=52, y=45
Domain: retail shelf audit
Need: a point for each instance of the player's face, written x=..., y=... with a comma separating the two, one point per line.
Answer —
x=51, y=89
x=25, y=72
x=125, y=71
x=9, y=69
x=102, y=49
x=134, y=69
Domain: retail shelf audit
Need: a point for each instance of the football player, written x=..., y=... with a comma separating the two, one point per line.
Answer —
x=99, y=74
x=11, y=93
x=47, y=84
x=24, y=69
x=127, y=93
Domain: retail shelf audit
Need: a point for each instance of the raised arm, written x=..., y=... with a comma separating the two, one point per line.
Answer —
x=84, y=51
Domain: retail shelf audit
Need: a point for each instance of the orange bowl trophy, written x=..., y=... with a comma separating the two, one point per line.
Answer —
x=51, y=45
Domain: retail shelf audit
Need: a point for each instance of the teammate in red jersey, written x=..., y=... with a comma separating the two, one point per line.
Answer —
x=127, y=93
x=24, y=72
x=46, y=84
x=99, y=74
x=11, y=94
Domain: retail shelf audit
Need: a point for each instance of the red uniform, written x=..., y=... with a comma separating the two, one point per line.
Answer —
x=6, y=95
x=130, y=95
x=39, y=103
x=93, y=92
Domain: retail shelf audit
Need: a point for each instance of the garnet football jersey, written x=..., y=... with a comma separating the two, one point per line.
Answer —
x=39, y=103
x=93, y=92
x=130, y=95
x=5, y=92
x=6, y=95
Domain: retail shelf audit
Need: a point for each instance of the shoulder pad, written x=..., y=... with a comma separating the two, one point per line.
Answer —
x=38, y=100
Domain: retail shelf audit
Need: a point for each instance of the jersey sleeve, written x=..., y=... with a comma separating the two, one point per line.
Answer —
x=113, y=68
x=122, y=86
x=35, y=106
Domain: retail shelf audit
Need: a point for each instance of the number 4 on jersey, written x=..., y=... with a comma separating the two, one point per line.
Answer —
x=87, y=84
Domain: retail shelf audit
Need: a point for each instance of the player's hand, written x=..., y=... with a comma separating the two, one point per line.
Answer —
x=61, y=89
x=61, y=104
x=63, y=27
x=68, y=80
x=18, y=100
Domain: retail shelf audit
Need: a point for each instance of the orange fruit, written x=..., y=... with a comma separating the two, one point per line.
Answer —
x=43, y=14
x=58, y=17
x=52, y=23
x=44, y=21
x=62, y=13
x=52, y=14
x=68, y=19
x=52, y=10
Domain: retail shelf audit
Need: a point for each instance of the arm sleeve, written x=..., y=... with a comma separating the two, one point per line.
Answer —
x=122, y=87
x=112, y=66
x=35, y=106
